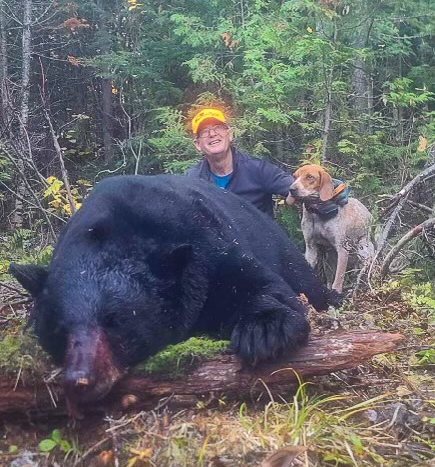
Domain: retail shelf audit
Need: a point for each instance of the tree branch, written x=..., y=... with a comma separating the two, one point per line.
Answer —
x=29, y=188
x=225, y=373
x=399, y=200
x=417, y=230
x=61, y=162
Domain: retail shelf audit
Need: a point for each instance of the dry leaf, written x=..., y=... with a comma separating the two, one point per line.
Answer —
x=422, y=144
x=284, y=457
x=403, y=391
x=104, y=459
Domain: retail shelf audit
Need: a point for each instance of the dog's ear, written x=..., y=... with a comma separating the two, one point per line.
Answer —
x=326, y=190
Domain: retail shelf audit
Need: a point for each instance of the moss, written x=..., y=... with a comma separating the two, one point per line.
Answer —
x=176, y=359
x=21, y=352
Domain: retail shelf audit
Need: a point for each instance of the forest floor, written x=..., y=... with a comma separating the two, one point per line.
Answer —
x=381, y=413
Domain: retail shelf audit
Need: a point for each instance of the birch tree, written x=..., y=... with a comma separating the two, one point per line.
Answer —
x=24, y=146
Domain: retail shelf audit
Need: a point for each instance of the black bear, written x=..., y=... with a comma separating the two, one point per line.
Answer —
x=150, y=260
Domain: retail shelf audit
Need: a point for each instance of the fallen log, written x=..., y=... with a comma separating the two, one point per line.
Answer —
x=225, y=373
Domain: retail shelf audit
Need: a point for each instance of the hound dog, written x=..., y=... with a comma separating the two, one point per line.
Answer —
x=342, y=226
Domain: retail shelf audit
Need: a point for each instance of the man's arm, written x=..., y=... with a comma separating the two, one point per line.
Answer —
x=275, y=180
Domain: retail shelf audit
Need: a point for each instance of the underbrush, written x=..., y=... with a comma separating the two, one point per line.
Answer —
x=379, y=414
x=23, y=246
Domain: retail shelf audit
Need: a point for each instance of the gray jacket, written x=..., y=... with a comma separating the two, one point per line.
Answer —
x=255, y=180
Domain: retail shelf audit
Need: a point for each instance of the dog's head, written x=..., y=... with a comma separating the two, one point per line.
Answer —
x=311, y=181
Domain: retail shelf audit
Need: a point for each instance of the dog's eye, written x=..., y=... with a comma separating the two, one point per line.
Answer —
x=311, y=177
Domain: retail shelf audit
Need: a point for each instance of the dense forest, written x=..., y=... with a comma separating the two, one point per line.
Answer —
x=95, y=88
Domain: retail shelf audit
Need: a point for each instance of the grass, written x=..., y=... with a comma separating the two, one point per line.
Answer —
x=328, y=430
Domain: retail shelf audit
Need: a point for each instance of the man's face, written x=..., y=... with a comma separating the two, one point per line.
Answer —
x=213, y=138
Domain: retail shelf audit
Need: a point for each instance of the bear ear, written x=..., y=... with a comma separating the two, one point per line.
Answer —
x=30, y=276
x=171, y=263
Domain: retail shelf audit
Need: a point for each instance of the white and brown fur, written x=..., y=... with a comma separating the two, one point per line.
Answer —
x=347, y=233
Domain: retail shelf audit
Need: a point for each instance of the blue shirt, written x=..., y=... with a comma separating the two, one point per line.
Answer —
x=222, y=181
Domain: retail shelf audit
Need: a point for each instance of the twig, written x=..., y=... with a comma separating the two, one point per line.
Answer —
x=14, y=289
x=17, y=302
x=29, y=188
x=400, y=198
x=399, y=201
x=115, y=441
x=415, y=181
x=46, y=211
x=424, y=208
x=403, y=241
x=57, y=147
x=91, y=450
x=413, y=203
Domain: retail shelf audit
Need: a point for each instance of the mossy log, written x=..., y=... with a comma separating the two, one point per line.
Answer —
x=224, y=373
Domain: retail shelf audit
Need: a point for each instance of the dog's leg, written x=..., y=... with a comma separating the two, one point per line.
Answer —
x=365, y=250
x=312, y=254
x=342, y=258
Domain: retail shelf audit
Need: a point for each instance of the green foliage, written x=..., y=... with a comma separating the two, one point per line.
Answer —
x=21, y=352
x=56, y=441
x=175, y=359
x=400, y=94
x=22, y=246
x=422, y=298
x=10, y=353
x=5, y=169
x=20, y=238
x=417, y=295
x=338, y=440
x=57, y=194
x=171, y=143
x=288, y=217
x=426, y=357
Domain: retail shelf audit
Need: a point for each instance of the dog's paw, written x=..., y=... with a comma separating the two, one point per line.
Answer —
x=265, y=336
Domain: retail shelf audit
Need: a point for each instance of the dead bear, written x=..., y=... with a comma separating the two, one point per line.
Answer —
x=150, y=260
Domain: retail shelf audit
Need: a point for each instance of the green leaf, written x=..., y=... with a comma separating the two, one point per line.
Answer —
x=56, y=435
x=47, y=445
x=65, y=446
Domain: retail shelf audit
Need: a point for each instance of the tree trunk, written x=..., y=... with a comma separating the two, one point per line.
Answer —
x=363, y=100
x=224, y=374
x=17, y=217
x=327, y=115
x=106, y=89
x=6, y=113
x=361, y=80
x=327, y=122
x=106, y=85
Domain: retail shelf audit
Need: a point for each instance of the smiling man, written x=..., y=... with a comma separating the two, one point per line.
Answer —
x=255, y=180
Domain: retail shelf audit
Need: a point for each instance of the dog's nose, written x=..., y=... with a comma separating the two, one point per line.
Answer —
x=293, y=190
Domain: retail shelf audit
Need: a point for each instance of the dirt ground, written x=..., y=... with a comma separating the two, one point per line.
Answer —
x=381, y=413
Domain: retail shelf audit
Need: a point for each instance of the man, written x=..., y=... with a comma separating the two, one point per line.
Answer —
x=255, y=180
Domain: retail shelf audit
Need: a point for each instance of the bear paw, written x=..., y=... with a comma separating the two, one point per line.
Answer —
x=265, y=336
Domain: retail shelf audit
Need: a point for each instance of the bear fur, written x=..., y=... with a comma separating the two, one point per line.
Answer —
x=148, y=261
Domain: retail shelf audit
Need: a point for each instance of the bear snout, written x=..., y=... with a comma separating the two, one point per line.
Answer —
x=90, y=370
